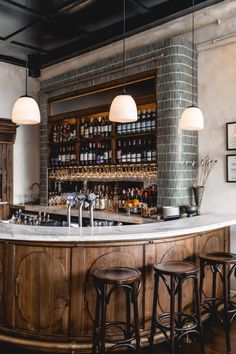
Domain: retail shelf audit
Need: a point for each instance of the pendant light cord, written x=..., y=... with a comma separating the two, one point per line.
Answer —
x=26, y=47
x=124, y=30
x=193, y=40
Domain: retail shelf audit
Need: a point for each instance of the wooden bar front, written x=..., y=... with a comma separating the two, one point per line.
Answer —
x=47, y=296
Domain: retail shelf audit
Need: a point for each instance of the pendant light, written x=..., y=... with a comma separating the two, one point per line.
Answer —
x=123, y=107
x=25, y=109
x=192, y=117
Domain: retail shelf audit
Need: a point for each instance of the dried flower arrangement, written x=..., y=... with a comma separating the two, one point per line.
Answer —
x=204, y=168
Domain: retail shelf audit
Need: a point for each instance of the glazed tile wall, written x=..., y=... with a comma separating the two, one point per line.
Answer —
x=172, y=59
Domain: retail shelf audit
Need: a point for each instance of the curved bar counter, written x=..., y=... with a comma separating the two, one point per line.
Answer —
x=47, y=297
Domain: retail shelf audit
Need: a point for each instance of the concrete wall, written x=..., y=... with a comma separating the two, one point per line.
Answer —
x=26, y=148
x=217, y=73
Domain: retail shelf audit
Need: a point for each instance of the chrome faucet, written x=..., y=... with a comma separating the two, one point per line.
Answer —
x=70, y=201
x=80, y=198
x=91, y=200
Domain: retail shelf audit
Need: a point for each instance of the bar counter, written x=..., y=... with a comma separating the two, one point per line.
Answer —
x=47, y=300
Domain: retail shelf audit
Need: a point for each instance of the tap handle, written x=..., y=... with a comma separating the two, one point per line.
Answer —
x=81, y=198
x=91, y=198
x=70, y=199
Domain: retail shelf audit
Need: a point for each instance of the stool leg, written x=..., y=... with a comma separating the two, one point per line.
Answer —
x=202, y=276
x=103, y=318
x=172, y=314
x=198, y=315
x=226, y=319
x=154, y=311
x=214, y=307
x=136, y=316
x=127, y=291
x=180, y=304
x=96, y=323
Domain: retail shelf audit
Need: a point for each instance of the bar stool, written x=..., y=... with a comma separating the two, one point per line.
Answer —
x=219, y=263
x=176, y=324
x=106, y=281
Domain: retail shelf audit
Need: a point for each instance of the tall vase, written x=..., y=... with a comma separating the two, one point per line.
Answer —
x=198, y=194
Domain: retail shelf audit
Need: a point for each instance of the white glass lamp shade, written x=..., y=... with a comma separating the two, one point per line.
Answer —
x=192, y=119
x=123, y=109
x=25, y=111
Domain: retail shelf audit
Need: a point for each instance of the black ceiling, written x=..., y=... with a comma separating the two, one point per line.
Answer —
x=61, y=29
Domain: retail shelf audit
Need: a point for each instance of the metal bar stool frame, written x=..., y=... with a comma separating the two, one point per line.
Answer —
x=212, y=304
x=179, y=322
x=100, y=324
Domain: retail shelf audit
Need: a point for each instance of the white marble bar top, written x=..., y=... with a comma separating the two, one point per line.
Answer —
x=157, y=230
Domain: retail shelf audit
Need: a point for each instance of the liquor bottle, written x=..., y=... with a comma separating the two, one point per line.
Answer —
x=86, y=155
x=98, y=151
x=119, y=152
x=90, y=128
x=123, y=128
x=149, y=150
x=102, y=133
x=119, y=129
x=106, y=127
x=55, y=134
x=153, y=120
x=143, y=121
x=109, y=127
x=86, y=130
x=138, y=123
x=128, y=153
x=82, y=128
x=95, y=128
x=148, y=121
x=99, y=122
x=105, y=154
x=90, y=154
x=139, y=149
x=82, y=155
x=134, y=151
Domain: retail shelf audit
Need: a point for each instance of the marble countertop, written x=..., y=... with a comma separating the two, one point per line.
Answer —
x=157, y=230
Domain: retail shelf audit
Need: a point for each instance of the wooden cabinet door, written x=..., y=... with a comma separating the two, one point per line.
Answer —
x=38, y=287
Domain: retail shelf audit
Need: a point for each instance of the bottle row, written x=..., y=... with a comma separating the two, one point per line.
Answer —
x=136, y=150
x=63, y=156
x=114, y=199
x=64, y=133
x=96, y=153
x=146, y=122
x=93, y=128
x=100, y=153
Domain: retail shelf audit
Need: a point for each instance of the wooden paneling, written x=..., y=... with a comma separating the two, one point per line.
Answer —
x=38, y=287
x=48, y=295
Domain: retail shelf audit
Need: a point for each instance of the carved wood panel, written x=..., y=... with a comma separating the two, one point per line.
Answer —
x=40, y=289
x=85, y=262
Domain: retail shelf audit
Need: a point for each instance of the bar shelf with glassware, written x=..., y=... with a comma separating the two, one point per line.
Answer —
x=88, y=148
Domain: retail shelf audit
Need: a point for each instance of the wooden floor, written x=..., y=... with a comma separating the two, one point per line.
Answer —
x=214, y=344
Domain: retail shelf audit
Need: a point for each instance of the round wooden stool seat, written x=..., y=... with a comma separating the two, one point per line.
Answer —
x=124, y=333
x=219, y=257
x=117, y=275
x=172, y=323
x=176, y=268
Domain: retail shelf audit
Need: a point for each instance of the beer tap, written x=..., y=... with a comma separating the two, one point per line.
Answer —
x=91, y=200
x=70, y=200
x=80, y=199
